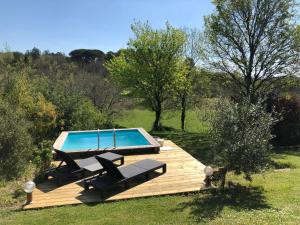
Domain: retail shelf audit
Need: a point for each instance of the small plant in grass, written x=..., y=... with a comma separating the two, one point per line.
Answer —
x=241, y=134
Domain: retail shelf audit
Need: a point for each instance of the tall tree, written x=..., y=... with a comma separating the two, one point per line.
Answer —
x=34, y=53
x=86, y=55
x=252, y=41
x=192, y=52
x=150, y=65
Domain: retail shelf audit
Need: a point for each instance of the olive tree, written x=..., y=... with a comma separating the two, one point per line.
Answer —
x=150, y=65
x=253, y=41
x=241, y=133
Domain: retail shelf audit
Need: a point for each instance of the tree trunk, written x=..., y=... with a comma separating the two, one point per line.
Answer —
x=183, y=110
x=156, y=124
x=223, y=177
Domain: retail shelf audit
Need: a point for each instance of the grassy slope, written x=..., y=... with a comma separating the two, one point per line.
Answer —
x=271, y=198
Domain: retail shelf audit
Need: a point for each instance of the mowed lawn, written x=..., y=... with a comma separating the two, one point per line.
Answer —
x=271, y=198
x=170, y=120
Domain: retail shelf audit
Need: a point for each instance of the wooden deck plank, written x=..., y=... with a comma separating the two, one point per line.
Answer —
x=184, y=174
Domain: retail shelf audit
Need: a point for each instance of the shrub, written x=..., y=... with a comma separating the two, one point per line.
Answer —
x=39, y=111
x=241, y=133
x=15, y=142
x=287, y=130
x=42, y=155
x=86, y=116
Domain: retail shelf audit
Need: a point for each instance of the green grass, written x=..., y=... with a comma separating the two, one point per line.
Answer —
x=271, y=198
x=194, y=140
x=145, y=118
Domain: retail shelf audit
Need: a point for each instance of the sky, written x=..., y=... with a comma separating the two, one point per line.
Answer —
x=65, y=25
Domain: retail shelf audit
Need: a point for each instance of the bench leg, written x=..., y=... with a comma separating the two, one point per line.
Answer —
x=59, y=181
x=147, y=176
x=164, y=169
x=86, y=185
x=103, y=194
x=126, y=185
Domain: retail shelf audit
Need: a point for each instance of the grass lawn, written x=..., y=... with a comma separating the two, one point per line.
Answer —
x=145, y=118
x=271, y=198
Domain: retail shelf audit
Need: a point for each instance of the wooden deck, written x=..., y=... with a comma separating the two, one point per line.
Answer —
x=184, y=174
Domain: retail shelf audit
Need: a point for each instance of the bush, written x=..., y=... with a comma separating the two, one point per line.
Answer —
x=42, y=156
x=86, y=117
x=38, y=109
x=287, y=130
x=15, y=142
x=241, y=133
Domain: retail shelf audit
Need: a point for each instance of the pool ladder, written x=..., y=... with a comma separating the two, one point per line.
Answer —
x=114, y=138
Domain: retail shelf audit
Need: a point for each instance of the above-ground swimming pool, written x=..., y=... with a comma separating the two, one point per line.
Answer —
x=133, y=140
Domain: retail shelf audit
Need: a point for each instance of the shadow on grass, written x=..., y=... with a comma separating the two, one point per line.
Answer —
x=281, y=165
x=197, y=144
x=209, y=204
x=291, y=150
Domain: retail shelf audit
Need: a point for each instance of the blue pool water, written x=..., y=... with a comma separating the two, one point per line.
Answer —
x=89, y=140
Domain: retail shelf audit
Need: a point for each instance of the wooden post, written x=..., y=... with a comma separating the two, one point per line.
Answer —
x=29, y=198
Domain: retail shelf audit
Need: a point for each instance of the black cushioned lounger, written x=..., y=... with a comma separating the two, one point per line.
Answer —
x=122, y=175
x=62, y=172
x=71, y=169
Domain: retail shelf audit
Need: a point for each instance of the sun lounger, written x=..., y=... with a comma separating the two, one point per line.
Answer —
x=122, y=175
x=73, y=169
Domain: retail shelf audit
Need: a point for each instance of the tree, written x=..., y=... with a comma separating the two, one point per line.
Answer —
x=86, y=55
x=287, y=130
x=183, y=89
x=150, y=65
x=253, y=41
x=87, y=117
x=109, y=55
x=241, y=133
x=15, y=141
x=192, y=51
x=38, y=110
x=34, y=53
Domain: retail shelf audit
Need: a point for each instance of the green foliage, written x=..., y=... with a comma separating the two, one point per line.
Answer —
x=34, y=53
x=47, y=95
x=241, y=133
x=15, y=142
x=287, y=130
x=253, y=42
x=41, y=112
x=296, y=37
x=86, y=55
x=42, y=155
x=150, y=65
x=87, y=117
